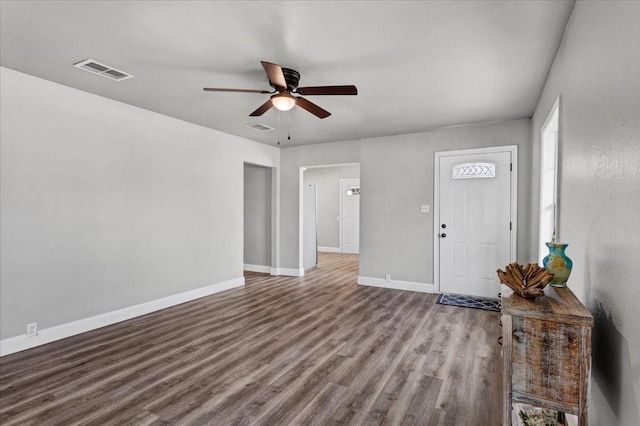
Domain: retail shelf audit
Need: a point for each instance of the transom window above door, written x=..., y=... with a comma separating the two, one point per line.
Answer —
x=473, y=171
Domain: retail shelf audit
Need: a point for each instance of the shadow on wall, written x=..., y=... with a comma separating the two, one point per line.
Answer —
x=611, y=364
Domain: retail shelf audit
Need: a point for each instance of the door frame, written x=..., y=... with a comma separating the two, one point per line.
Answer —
x=513, y=149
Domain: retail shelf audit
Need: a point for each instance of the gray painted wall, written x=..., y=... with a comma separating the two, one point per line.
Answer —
x=105, y=205
x=396, y=177
x=257, y=215
x=327, y=180
x=597, y=75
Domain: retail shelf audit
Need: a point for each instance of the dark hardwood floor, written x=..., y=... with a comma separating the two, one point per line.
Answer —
x=318, y=350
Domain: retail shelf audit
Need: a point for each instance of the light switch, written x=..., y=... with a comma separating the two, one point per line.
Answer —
x=424, y=208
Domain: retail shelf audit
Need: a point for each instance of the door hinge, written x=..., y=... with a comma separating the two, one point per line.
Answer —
x=510, y=167
x=510, y=226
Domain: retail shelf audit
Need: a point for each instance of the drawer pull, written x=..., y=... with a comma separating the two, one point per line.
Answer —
x=519, y=334
x=500, y=340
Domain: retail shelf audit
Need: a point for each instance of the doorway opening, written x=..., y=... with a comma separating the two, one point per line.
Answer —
x=336, y=216
x=259, y=245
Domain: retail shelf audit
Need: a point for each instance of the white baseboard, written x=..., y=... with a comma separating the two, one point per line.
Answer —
x=397, y=284
x=289, y=272
x=330, y=249
x=257, y=268
x=48, y=335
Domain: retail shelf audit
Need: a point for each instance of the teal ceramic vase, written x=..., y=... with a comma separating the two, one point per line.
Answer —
x=558, y=263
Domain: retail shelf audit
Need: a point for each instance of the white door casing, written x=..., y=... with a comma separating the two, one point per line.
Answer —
x=475, y=201
x=310, y=227
x=349, y=216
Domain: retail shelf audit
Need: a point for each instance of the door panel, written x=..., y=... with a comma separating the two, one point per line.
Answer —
x=460, y=207
x=489, y=252
x=460, y=259
x=475, y=207
x=349, y=216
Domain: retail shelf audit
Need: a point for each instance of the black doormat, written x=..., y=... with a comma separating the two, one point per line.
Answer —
x=463, y=301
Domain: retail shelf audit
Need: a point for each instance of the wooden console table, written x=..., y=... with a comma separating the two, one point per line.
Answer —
x=546, y=352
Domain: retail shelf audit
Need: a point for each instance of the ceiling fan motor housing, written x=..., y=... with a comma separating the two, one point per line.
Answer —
x=292, y=77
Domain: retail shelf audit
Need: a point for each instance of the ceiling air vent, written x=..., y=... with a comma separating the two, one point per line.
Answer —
x=259, y=126
x=102, y=70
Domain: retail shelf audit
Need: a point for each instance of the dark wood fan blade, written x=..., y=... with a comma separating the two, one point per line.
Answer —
x=262, y=109
x=275, y=74
x=217, y=89
x=312, y=108
x=328, y=90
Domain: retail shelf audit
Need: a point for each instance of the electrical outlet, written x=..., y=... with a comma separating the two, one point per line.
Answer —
x=388, y=278
x=32, y=329
x=424, y=208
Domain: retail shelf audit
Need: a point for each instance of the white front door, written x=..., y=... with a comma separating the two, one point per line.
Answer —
x=350, y=215
x=474, y=222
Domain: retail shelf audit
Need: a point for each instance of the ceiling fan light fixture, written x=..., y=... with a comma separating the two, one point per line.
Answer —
x=283, y=101
x=285, y=82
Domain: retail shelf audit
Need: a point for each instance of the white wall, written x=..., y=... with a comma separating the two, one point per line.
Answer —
x=106, y=206
x=327, y=180
x=396, y=177
x=597, y=75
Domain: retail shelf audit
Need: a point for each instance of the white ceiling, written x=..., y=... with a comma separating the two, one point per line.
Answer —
x=418, y=65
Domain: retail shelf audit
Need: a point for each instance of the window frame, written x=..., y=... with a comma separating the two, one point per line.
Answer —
x=549, y=209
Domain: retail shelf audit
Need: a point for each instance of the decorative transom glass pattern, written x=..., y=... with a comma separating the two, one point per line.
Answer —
x=474, y=171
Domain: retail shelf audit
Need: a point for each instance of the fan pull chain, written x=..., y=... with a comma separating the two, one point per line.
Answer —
x=289, y=135
x=278, y=128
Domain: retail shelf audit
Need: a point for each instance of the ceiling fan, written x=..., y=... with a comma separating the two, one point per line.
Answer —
x=285, y=84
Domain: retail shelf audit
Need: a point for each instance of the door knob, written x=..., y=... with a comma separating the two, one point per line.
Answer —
x=443, y=225
x=443, y=235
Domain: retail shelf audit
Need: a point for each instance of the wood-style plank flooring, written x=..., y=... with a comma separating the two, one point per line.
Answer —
x=317, y=350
